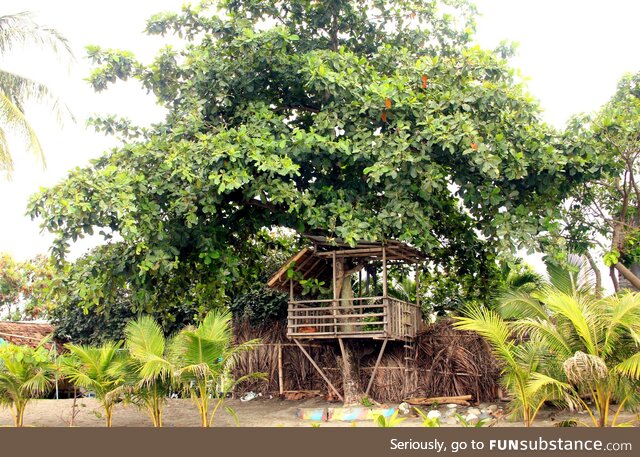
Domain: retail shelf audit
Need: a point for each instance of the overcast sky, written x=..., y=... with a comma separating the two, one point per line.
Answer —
x=572, y=52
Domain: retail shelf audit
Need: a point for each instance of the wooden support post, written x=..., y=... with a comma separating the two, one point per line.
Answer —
x=290, y=321
x=291, y=290
x=375, y=368
x=384, y=272
x=389, y=317
x=280, y=374
x=335, y=294
x=418, y=284
x=315, y=365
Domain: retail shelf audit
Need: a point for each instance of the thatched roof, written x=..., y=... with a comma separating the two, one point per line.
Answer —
x=25, y=333
x=316, y=261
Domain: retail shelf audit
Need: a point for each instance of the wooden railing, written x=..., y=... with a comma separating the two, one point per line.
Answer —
x=368, y=317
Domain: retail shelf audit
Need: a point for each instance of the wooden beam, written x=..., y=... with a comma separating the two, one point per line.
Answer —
x=280, y=374
x=278, y=276
x=375, y=367
x=315, y=365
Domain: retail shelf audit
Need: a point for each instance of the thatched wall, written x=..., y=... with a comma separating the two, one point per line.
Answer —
x=449, y=362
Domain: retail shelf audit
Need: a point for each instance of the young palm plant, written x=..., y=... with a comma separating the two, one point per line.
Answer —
x=25, y=373
x=149, y=363
x=204, y=357
x=585, y=348
x=97, y=369
x=595, y=341
x=521, y=362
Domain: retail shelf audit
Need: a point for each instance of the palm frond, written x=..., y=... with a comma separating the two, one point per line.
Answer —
x=14, y=120
x=519, y=304
x=630, y=367
x=19, y=30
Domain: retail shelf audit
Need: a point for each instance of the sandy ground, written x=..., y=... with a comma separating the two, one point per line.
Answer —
x=255, y=413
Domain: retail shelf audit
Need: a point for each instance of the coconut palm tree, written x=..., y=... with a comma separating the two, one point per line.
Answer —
x=152, y=370
x=100, y=370
x=19, y=30
x=522, y=362
x=25, y=373
x=204, y=357
x=596, y=340
x=587, y=347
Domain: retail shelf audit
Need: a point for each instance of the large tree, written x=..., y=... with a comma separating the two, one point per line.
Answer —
x=359, y=120
x=17, y=33
x=604, y=215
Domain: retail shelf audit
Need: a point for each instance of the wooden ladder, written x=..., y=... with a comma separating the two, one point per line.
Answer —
x=410, y=369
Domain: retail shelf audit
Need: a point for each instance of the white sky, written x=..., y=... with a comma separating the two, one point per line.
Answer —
x=573, y=53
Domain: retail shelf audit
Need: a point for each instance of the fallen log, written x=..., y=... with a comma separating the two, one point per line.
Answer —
x=300, y=394
x=456, y=400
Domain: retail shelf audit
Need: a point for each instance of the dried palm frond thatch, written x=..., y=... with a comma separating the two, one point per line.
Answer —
x=448, y=362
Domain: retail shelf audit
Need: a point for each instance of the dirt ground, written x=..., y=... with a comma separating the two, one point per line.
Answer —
x=255, y=413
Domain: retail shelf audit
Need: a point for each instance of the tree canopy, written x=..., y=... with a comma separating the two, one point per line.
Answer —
x=368, y=120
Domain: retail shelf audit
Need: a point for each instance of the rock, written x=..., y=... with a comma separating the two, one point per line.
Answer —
x=483, y=405
x=485, y=416
x=492, y=408
x=452, y=406
x=472, y=419
x=474, y=411
x=404, y=408
x=434, y=414
x=452, y=420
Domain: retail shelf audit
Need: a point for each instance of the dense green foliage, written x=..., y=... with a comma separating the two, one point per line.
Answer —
x=359, y=120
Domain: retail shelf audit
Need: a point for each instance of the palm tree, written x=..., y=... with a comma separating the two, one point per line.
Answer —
x=97, y=369
x=152, y=370
x=204, y=357
x=521, y=362
x=597, y=341
x=20, y=30
x=25, y=373
x=586, y=347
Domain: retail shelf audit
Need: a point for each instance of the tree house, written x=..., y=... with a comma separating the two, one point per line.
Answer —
x=349, y=299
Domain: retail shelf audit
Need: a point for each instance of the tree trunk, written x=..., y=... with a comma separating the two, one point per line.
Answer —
x=628, y=275
x=351, y=386
x=596, y=272
x=614, y=278
x=108, y=412
x=351, y=353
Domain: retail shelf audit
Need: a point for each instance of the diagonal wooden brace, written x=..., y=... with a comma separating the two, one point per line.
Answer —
x=315, y=365
x=375, y=368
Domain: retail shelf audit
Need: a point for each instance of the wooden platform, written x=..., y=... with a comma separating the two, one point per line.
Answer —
x=366, y=317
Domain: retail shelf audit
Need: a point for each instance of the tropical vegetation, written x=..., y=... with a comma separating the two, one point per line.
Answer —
x=571, y=347
x=25, y=373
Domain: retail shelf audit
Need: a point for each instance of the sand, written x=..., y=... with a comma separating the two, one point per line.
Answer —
x=255, y=413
